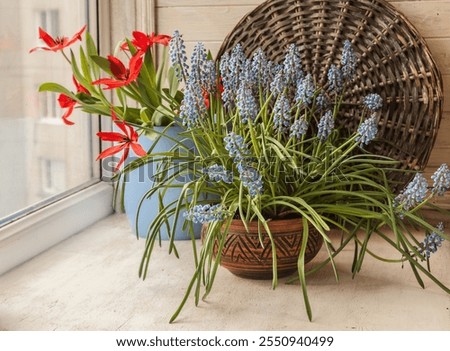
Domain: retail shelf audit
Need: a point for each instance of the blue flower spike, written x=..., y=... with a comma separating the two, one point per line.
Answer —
x=414, y=193
x=367, y=131
x=325, y=126
x=441, y=179
x=432, y=242
x=177, y=54
x=206, y=213
x=373, y=102
x=282, y=115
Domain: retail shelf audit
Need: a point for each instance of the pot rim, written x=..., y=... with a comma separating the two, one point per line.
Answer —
x=275, y=225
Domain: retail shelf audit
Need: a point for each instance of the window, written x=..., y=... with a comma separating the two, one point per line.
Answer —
x=44, y=157
x=48, y=109
x=48, y=19
x=53, y=176
x=50, y=184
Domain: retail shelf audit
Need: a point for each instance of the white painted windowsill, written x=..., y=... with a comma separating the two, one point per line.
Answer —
x=90, y=282
x=36, y=232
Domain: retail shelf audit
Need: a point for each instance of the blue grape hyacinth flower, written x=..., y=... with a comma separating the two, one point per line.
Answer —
x=325, y=126
x=205, y=213
x=236, y=146
x=348, y=61
x=251, y=179
x=209, y=78
x=432, y=242
x=367, y=131
x=260, y=67
x=177, y=55
x=218, y=173
x=292, y=65
x=322, y=101
x=441, y=180
x=305, y=90
x=282, y=115
x=198, y=59
x=298, y=128
x=335, y=80
x=193, y=105
x=373, y=102
x=414, y=193
x=246, y=104
x=278, y=84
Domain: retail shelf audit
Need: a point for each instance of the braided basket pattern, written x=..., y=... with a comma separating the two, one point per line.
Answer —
x=393, y=61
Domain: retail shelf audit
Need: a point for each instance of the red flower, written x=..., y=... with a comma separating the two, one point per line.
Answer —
x=206, y=98
x=128, y=139
x=143, y=41
x=69, y=103
x=123, y=75
x=58, y=43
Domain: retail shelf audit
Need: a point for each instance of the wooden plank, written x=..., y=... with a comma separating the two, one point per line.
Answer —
x=211, y=23
x=438, y=156
x=187, y=3
x=446, y=82
x=204, y=3
x=441, y=149
x=443, y=137
x=440, y=49
x=214, y=22
x=430, y=17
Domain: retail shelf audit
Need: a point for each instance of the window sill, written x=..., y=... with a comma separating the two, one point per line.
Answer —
x=40, y=230
x=90, y=282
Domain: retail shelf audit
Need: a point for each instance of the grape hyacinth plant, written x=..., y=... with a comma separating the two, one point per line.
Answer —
x=270, y=145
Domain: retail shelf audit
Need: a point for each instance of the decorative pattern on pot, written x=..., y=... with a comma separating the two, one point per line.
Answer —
x=246, y=256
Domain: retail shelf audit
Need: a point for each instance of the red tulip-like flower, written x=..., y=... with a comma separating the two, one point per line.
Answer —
x=69, y=103
x=58, y=43
x=123, y=76
x=143, y=41
x=127, y=140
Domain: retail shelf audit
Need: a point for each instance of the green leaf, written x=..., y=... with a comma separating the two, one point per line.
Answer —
x=143, y=115
x=160, y=117
x=102, y=62
x=85, y=65
x=56, y=88
x=79, y=76
x=301, y=268
x=90, y=45
x=92, y=51
x=173, y=82
x=131, y=47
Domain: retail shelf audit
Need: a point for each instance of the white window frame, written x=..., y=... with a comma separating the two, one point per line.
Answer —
x=39, y=229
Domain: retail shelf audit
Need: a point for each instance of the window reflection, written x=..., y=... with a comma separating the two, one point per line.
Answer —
x=41, y=157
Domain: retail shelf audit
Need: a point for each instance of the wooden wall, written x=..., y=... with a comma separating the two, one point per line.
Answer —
x=210, y=21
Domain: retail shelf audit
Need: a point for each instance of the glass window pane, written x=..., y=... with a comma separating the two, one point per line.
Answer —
x=41, y=156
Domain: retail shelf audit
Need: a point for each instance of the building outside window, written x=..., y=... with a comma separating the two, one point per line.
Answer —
x=41, y=156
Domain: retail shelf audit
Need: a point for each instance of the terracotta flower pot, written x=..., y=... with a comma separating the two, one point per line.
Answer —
x=244, y=256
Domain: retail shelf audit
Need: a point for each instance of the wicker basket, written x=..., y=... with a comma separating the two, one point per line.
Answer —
x=393, y=61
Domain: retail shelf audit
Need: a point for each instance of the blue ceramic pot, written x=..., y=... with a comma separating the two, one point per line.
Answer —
x=139, y=182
